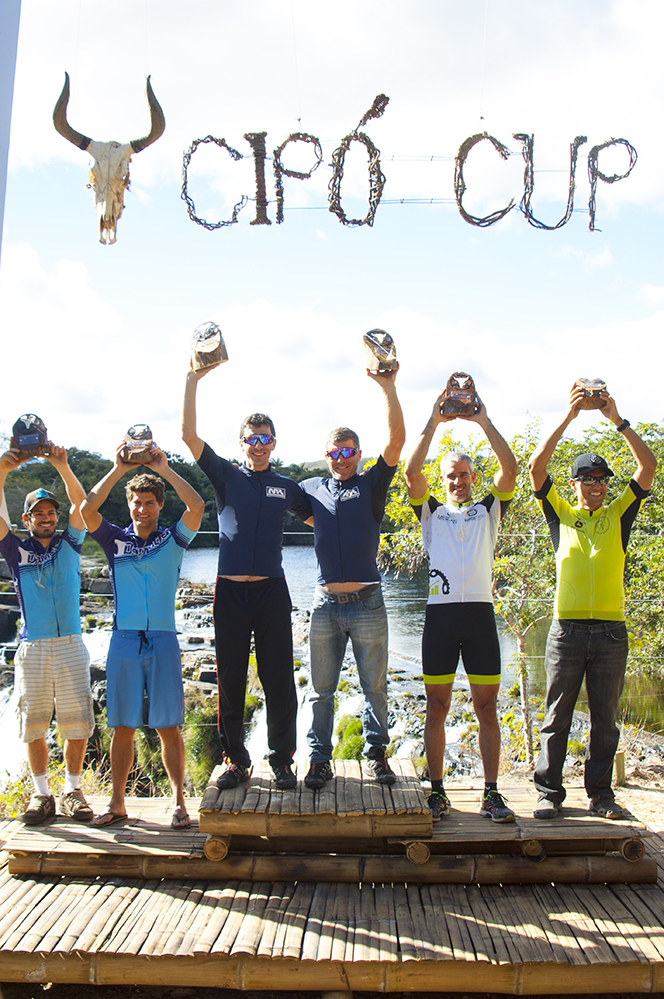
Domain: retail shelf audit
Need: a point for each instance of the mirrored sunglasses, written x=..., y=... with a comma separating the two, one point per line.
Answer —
x=253, y=439
x=589, y=480
x=341, y=452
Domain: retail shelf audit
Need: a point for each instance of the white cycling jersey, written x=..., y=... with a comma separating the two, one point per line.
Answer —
x=460, y=543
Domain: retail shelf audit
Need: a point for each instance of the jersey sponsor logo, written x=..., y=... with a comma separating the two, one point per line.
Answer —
x=278, y=492
x=444, y=583
x=127, y=549
x=349, y=494
x=471, y=513
x=31, y=558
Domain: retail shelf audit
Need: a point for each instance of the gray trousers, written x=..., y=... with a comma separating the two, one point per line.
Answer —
x=598, y=651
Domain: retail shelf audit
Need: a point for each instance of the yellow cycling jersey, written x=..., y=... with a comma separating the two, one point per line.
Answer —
x=590, y=552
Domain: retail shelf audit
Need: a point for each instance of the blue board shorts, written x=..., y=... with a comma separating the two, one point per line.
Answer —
x=139, y=663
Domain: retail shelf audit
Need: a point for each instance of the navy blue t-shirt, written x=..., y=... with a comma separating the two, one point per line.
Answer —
x=251, y=509
x=347, y=519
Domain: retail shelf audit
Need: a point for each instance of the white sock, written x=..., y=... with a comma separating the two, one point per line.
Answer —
x=71, y=782
x=40, y=782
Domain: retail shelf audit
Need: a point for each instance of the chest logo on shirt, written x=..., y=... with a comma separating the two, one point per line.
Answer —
x=129, y=548
x=349, y=494
x=277, y=492
x=31, y=558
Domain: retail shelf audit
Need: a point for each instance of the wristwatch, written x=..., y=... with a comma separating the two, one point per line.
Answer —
x=623, y=426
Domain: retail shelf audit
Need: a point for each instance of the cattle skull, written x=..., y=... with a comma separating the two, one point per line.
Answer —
x=109, y=173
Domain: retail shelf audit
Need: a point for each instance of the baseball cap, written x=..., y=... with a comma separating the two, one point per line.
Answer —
x=588, y=463
x=33, y=498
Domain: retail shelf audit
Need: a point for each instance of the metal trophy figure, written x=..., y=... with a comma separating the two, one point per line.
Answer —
x=207, y=346
x=380, y=351
x=460, y=397
x=138, y=445
x=30, y=436
x=593, y=388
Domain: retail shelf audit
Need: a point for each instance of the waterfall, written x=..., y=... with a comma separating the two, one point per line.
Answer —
x=13, y=750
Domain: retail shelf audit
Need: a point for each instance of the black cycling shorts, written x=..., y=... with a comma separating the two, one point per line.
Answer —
x=457, y=629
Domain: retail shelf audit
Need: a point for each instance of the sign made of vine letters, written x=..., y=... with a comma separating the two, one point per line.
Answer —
x=377, y=179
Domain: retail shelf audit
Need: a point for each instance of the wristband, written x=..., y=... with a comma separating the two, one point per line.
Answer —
x=623, y=426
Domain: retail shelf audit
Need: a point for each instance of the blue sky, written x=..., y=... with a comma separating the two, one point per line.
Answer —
x=97, y=336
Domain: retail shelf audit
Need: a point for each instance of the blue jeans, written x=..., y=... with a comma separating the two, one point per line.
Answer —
x=332, y=624
x=597, y=649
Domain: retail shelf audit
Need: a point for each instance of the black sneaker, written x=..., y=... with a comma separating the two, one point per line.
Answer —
x=494, y=807
x=233, y=775
x=439, y=804
x=380, y=768
x=318, y=774
x=284, y=777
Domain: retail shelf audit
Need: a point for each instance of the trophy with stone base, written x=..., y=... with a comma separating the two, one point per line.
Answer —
x=207, y=346
x=30, y=437
x=380, y=351
x=592, y=388
x=460, y=397
x=138, y=444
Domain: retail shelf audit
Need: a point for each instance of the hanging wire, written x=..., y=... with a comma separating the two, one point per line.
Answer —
x=486, y=21
x=295, y=67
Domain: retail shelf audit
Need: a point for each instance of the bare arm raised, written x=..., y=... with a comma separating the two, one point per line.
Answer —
x=396, y=431
x=541, y=456
x=194, y=503
x=73, y=488
x=415, y=479
x=645, y=459
x=8, y=461
x=100, y=491
x=505, y=477
x=189, y=435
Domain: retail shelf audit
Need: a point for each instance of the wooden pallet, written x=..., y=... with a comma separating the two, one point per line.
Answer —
x=464, y=848
x=351, y=804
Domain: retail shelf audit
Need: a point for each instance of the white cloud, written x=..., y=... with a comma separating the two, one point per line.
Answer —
x=85, y=372
x=651, y=295
x=591, y=261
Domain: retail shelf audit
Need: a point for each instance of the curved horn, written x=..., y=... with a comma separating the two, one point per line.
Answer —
x=158, y=122
x=60, y=119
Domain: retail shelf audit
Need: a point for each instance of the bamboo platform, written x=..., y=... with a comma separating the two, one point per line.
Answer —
x=302, y=936
x=464, y=848
x=352, y=804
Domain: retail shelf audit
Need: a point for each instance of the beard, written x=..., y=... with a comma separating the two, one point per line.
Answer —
x=42, y=532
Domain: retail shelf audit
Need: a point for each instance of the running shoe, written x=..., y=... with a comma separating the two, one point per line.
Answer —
x=318, y=774
x=494, y=807
x=233, y=775
x=380, y=769
x=439, y=804
x=284, y=777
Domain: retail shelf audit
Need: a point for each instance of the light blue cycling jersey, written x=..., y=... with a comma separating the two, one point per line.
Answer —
x=144, y=574
x=47, y=582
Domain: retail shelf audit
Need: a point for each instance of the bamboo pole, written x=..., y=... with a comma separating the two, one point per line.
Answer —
x=351, y=868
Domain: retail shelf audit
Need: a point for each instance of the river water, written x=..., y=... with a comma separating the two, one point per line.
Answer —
x=642, y=702
x=405, y=600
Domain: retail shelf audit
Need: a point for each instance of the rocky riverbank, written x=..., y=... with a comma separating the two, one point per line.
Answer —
x=644, y=752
